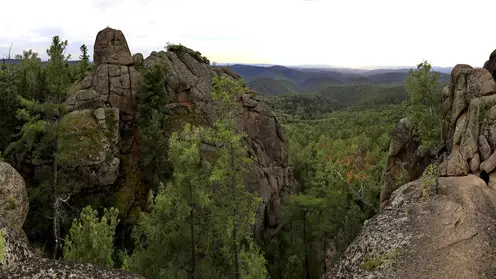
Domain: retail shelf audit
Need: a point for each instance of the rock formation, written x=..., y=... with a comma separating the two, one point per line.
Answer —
x=449, y=233
x=405, y=162
x=15, y=205
x=188, y=85
x=469, y=112
x=113, y=86
x=439, y=227
x=17, y=260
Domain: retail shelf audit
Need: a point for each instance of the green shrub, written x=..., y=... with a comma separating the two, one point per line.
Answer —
x=90, y=239
x=181, y=50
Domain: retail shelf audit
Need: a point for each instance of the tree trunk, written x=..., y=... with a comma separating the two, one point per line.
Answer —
x=307, y=271
x=235, y=228
x=193, y=241
x=56, y=226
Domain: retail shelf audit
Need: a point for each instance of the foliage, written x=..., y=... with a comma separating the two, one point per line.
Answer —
x=424, y=93
x=429, y=184
x=179, y=216
x=181, y=50
x=58, y=72
x=90, y=239
x=205, y=207
x=9, y=103
x=83, y=62
x=152, y=99
x=337, y=159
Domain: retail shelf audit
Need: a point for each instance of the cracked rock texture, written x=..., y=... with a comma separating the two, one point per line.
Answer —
x=449, y=232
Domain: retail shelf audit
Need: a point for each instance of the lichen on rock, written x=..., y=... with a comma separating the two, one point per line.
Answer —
x=88, y=143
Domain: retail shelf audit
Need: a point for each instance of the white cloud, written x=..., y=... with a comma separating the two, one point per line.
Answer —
x=342, y=33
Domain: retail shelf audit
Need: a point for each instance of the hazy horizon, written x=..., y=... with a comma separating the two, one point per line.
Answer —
x=356, y=34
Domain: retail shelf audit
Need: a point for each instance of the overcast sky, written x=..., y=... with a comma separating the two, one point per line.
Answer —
x=351, y=33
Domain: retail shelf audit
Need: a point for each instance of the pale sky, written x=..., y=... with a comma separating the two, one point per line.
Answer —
x=347, y=33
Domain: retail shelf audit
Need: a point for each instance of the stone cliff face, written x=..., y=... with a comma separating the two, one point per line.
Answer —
x=110, y=92
x=405, y=162
x=439, y=227
x=188, y=85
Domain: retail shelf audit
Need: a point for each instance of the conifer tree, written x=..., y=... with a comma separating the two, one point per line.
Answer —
x=177, y=230
x=58, y=72
x=152, y=110
x=91, y=239
x=83, y=62
x=236, y=205
x=424, y=91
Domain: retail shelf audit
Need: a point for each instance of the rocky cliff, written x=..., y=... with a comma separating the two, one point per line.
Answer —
x=441, y=225
x=100, y=142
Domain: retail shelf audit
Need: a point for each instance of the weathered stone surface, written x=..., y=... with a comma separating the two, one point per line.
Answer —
x=454, y=165
x=14, y=204
x=451, y=234
x=405, y=162
x=89, y=144
x=474, y=163
x=20, y=262
x=111, y=47
x=484, y=148
x=41, y=268
x=461, y=124
x=489, y=164
x=17, y=249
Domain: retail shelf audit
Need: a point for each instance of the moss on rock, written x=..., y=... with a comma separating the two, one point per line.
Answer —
x=81, y=141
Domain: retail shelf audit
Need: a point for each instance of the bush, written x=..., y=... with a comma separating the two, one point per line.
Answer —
x=181, y=50
x=90, y=240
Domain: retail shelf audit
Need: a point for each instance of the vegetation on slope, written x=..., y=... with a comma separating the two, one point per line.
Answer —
x=201, y=215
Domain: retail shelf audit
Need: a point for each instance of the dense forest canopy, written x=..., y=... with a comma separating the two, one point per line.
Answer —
x=199, y=219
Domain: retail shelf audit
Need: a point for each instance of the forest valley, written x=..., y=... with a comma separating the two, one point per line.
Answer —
x=198, y=221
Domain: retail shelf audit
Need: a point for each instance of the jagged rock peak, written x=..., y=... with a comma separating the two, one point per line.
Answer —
x=111, y=48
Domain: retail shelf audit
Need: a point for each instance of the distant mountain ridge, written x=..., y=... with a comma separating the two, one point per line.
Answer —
x=282, y=80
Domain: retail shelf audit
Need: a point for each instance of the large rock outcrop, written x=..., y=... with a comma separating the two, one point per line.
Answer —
x=469, y=113
x=188, y=83
x=89, y=145
x=443, y=224
x=430, y=229
x=17, y=260
x=14, y=204
x=405, y=161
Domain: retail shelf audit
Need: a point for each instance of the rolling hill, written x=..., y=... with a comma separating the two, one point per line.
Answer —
x=280, y=80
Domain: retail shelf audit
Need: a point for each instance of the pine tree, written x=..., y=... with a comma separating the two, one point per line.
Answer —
x=176, y=231
x=151, y=104
x=206, y=206
x=90, y=239
x=424, y=91
x=237, y=206
x=58, y=74
x=84, y=62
